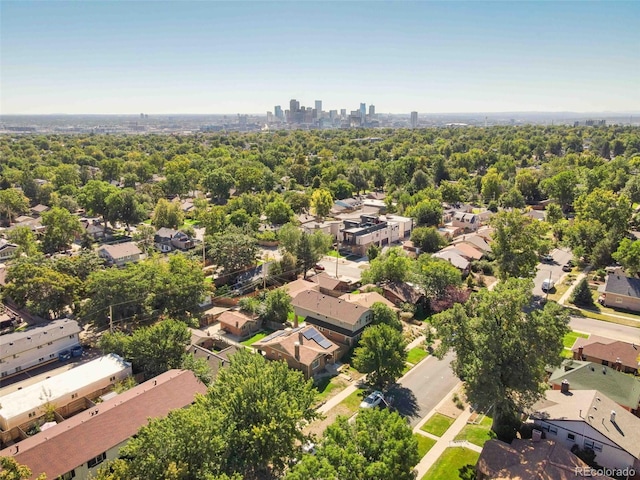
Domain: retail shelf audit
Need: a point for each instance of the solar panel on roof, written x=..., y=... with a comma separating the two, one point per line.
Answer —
x=309, y=334
x=324, y=343
x=276, y=334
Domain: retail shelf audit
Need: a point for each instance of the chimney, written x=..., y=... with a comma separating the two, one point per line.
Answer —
x=300, y=337
x=618, y=364
x=536, y=435
x=580, y=349
x=613, y=416
x=564, y=386
x=297, y=350
x=295, y=320
x=236, y=324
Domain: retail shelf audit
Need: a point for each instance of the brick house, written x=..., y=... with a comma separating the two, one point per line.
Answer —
x=238, y=324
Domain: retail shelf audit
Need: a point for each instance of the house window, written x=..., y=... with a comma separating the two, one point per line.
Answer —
x=68, y=475
x=97, y=460
x=39, y=346
x=315, y=364
x=41, y=359
x=571, y=436
x=112, y=379
x=51, y=355
x=618, y=299
x=70, y=336
x=553, y=430
x=50, y=343
x=74, y=395
x=588, y=444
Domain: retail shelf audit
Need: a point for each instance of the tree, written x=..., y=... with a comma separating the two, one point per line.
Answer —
x=373, y=251
x=265, y=405
x=13, y=202
x=491, y=185
x=427, y=213
x=152, y=350
x=610, y=209
x=517, y=242
x=25, y=239
x=502, y=349
x=392, y=266
x=167, y=214
x=232, y=250
x=311, y=248
x=218, y=182
x=93, y=197
x=62, y=228
x=435, y=275
x=378, y=445
x=427, y=239
x=321, y=202
x=289, y=236
x=582, y=294
x=382, y=314
x=277, y=306
x=512, y=199
x=628, y=254
x=125, y=206
x=527, y=183
x=12, y=470
x=341, y=188
x=278, y=212
x=381, y=354
x=561, y=187
x=554, y=213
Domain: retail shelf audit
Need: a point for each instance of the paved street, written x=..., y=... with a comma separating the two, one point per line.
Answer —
x=553, y=270
x=606, y=329
x=347, y=269
x=424, y=387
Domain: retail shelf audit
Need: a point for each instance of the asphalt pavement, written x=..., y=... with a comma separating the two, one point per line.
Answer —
x=552, y=270
x=420, y=390
x=605, y=329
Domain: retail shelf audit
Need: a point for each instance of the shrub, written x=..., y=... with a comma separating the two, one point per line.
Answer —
x=582, y=295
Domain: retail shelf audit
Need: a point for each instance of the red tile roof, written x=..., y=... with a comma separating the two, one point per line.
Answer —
x=73, y=442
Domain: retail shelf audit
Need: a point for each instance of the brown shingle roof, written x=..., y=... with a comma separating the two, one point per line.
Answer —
x=405, y=292
x=628, y=353
x=310, y=349
x=121, y=250
x=367, y=299
x=73, y=442
x=235, y=318
x=329, y=307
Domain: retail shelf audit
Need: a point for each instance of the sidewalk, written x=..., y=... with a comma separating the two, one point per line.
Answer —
x=563, y=299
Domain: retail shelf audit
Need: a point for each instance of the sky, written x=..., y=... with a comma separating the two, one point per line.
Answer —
x=131, y=57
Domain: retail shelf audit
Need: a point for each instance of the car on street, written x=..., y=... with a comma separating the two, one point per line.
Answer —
x=64, y=355
x=318, y=266
x=547, y=285
x=548, y=258
x=374, y=399
x=567, y=267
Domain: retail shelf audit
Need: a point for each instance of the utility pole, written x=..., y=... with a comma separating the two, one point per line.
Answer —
x=111, y=318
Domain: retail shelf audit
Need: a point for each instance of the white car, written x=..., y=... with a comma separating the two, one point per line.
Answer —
x=372, y=400
x=547, y=285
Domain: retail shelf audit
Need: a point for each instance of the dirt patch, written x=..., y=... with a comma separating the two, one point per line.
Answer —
x=449, y=407
x=318, y=427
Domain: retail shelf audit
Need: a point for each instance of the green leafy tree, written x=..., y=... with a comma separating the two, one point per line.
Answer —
x=512, y=199
x=427, y=213
x=218, y=182
x=232, y=250
x=93, y=197
x=527, y=183
x=321, y=202
x=392, y=266
x=561, y=187
x=382, y=314
x=435, y=275
x=25, y=239
x=62, y=228
x=628, y=254
x=125, y=206
x=517, y=243
x=582, y=294
x=341, y=188
x=12, y=470
x=502, y=349
x=373, y=251
x=427, y=239
x=264, y=404
x=381, y=354
x=491, y=185
x=277, y=306
x=610, y=209
x=378, y=445
x=167, y=214
x=13, y=202
x=554, y=213
x=278, y=212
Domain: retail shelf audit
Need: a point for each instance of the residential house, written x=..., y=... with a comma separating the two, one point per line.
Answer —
x=328, y=227
x=66, y=391
x=340, y=321
x=93, y=227
x=36, y=346
x=167, y=239
x=7, y=250
x=470, y=222
x=539, y=215
x=303, y=348
x=74, y=448
x=620, y=387
x=367, y=299
x=34, y=224
x=401, y=292
x=455, y=259
x=120, y=254
x=300, y=285
x=215, y=360
x=39, y=209
x=476, y=241
x=238, y=324
x=590, y=420
x=622, y=356
x=621, y=291
x=529, y=460
x=465, y=250
x=372, y=229
x=330, y=285
x=350, y=204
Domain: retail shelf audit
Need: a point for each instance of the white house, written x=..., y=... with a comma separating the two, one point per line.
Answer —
x=20, y=351
x=120, y=254
x=589, y=419
x=7, y=250
x=24, y=406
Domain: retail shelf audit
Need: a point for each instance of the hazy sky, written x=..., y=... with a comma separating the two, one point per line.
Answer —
x=230, y=57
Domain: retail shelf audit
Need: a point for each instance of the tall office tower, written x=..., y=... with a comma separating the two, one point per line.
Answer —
x=270, y=117
x=372, y=110
x=277, y=111
x=319, y=108
x=414, y=119
x=363, y=110
x=343, y=112
x=294, y=107
x=333, y=114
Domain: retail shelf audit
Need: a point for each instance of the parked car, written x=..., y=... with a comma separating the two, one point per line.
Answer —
x=319, y=267
x=64, y=355
x=374, y=399
x=77, y=351
x=547, y=285
x=567, y=267
x=309, y=448
x=548, y=258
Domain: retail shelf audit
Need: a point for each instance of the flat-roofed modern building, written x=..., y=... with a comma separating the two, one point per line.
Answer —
x=36, y=346
x=76, y=447
x=23, y=407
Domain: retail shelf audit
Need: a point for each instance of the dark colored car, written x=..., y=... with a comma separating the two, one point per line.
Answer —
x=77, y=351
x=64, y=355
x=547, y=258
x=567, y=267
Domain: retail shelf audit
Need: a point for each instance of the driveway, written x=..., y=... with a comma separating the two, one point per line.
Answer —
x=552, y=270
x=347, y=269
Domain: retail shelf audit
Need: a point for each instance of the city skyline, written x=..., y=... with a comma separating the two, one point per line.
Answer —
x=247, y=57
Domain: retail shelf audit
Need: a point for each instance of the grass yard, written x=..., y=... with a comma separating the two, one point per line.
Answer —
x=437, y=424
x=448, y=466
x=352, y=402
x=334, y=254
x=477, y=434
x=571, y=337
x=559, y=290
x=327, y=385
x=416, y=354
x=424, y=444
x=258, y=336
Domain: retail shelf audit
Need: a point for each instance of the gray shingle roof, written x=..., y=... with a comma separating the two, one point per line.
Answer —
x=622, y=285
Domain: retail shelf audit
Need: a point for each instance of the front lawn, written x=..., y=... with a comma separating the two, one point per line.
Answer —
x=437, y=424
x=477, y=434
x=424, y=444
x=326, y=385
x=334, y=254
x=258, y=336
x=352, y=402
x=451, y=463
x=416, y=354
x=571, y=337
